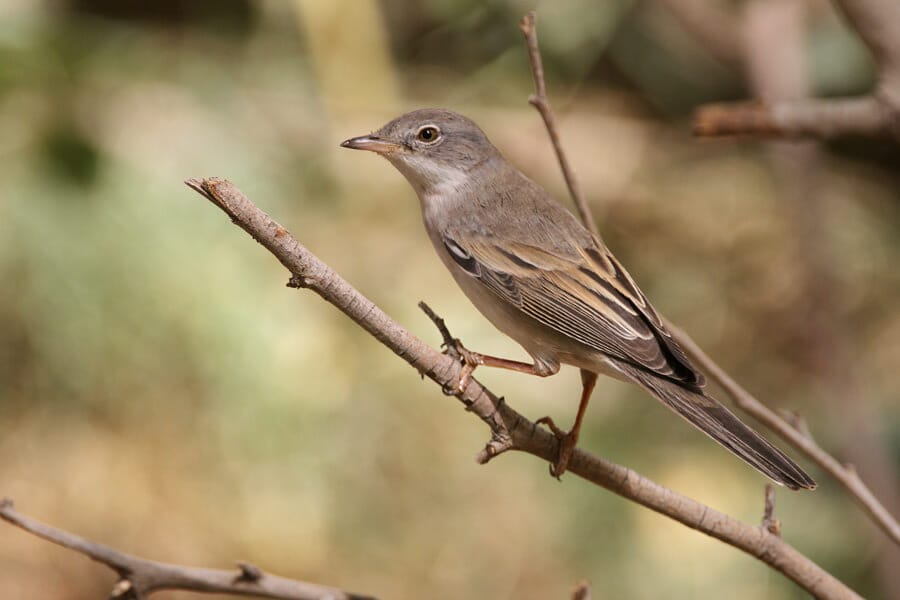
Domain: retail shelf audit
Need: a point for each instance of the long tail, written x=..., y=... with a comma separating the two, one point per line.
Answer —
x=716, y=421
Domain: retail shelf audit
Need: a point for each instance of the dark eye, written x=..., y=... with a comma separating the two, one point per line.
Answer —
x=429, y=133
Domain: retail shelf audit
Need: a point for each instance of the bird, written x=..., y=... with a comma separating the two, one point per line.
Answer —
x=540, y=277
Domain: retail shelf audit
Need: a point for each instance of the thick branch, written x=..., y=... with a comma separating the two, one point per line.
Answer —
x=140, y=577
x=509, y=429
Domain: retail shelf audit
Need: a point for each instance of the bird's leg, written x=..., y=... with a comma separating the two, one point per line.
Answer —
x=453, y=347
x=567, y=441
x=472, y=360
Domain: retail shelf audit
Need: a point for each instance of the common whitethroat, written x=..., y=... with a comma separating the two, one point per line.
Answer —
x=544, y=280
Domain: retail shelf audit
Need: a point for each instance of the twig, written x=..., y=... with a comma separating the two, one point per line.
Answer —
x=741, y=397
x=450, y=343
x=528, y=25
x=797, y=436
x=509, y=429
x=769, y=521
x=140, y=577
x=877, y=115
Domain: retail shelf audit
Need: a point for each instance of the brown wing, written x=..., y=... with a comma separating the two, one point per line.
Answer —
x=584, y=294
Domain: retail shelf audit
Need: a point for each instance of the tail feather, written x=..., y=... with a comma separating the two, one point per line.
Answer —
x=716, y=421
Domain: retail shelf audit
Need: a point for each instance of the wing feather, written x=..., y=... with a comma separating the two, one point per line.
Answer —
x=585, y=295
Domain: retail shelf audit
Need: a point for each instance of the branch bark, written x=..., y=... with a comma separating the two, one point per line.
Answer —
x=509, y=429
x=877, y=22
x=140, y=577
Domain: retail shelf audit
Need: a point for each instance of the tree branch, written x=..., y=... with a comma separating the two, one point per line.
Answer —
x=528, y=25
x=794, y=119
x=877, y=22
x=845, y=475
x=140, y=577
x=873, y=116
x=509, y=429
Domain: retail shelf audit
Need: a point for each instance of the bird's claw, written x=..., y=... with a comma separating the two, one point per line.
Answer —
x=567, y=443
x=470, y=360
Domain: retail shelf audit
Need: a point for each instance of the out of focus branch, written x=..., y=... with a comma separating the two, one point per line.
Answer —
x=140, y=577
x=867, y=116
x=509, y=429
x=711, y=25
x=877, y=115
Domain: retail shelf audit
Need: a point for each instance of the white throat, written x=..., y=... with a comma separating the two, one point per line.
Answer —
x=433, y=182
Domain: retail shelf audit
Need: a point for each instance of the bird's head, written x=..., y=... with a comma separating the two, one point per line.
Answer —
x=433, y=148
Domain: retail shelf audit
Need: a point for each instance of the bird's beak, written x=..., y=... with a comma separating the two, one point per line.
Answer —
x=372, y=143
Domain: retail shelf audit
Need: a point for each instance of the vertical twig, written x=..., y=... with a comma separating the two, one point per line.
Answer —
x=541, y=102
x=769, y=521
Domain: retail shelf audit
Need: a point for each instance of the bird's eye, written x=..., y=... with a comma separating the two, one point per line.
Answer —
x=428, y=134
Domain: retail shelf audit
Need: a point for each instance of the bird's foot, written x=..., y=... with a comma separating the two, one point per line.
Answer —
x=470, y=361
x=567, y=441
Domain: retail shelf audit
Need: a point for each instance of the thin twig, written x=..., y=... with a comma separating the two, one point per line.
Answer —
x=450, y=343
x=796, y=436
x=140, y=577
x=509, y=429
x=528, y=25
x=769, y=521
x=741, y=397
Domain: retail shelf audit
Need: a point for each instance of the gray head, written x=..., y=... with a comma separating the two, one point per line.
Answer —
x=432, y=147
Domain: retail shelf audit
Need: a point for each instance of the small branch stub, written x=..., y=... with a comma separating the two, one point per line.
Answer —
x=248, y=573
x=769, y=522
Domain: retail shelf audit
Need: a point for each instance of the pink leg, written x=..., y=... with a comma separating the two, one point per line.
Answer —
x=567, y=441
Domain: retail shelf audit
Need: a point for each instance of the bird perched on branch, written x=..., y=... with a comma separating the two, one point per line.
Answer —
x=544, y=280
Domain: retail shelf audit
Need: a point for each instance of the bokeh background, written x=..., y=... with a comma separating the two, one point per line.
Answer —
x=162, y=391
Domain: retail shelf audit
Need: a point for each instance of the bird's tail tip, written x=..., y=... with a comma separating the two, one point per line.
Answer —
x=719, y=423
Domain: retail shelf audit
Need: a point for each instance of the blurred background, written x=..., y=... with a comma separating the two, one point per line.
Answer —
x=163, y=392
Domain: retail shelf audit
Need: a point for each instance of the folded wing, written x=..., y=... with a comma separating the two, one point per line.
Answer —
x=584, y=294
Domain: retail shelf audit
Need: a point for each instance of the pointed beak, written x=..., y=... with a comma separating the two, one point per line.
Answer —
x=372, y=143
